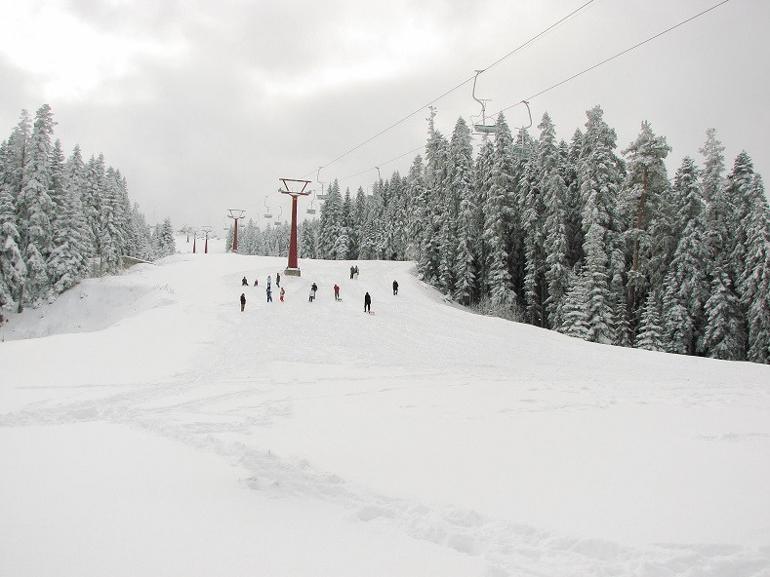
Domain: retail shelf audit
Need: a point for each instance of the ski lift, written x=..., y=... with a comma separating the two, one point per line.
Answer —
x=278, y=218
x=268, y=215
x=312, y=209
x=482, y=128
x=322, y=196
x=520, y=151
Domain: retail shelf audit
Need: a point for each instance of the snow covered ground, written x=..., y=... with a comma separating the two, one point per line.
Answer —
x=148, y=427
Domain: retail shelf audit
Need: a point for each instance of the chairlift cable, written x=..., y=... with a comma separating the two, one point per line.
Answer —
x=576, y=75
x=394, y=159
x=458, y=86
x=617, y=55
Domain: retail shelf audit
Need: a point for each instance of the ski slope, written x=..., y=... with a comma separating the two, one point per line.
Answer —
x=148, y=427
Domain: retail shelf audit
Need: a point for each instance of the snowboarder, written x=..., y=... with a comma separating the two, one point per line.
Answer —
x=269, y=294
x=283, y=292
x=367, y=303
x=243, y=301
x=395, y=287
x=277, y=279
x=336, y=292
x=244, y=282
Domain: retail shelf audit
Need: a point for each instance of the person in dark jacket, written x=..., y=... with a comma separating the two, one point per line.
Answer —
x=314, y=288
x=336, y=292
x=395, y=287
x=243, y=301
x=244, y=282
x=351, y=272
x=367, y=303
x=269, y=292
x=277, y=279
x=256, y=282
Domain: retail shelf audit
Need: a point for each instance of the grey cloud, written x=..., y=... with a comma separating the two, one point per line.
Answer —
x=199, y=133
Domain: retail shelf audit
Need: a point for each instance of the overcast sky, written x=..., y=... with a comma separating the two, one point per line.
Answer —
x=203, y=104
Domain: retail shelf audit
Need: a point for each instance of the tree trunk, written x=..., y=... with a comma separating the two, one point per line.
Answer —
x=639, y=223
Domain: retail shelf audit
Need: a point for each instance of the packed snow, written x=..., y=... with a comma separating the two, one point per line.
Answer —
x=148, y=427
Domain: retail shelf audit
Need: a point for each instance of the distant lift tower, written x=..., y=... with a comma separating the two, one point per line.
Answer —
x=236, y=214
x=206, y=230
x=294, y=188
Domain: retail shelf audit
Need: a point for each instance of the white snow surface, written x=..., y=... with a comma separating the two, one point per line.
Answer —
x=148, y=427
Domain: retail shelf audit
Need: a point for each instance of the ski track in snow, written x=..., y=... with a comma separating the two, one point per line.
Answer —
x=222, y=404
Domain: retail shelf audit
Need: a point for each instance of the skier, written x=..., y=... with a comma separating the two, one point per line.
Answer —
x=311, y=296
x=314, y=288
x=336, y=292
x=283, y=292
x=367, y=303
x=269, y=294
x=351, y=272
x=268, y=281
x=395, y=287
x=244, y=282
x=256, y=282
x=355, y=270
x=277, y=279
x=243, y=301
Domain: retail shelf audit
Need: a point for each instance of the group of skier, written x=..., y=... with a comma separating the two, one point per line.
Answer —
x=313, y=290
x=268, y=289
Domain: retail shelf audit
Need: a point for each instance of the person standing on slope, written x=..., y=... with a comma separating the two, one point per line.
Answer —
x=277, y=279
x=367, y=303
x=243, y=301
x=269, y=294
x=244, y=282
x=395, y=288
x=268, y=281
x=351, y=272
x=256, y=282
x=314, y=288
x=283, y=292
x=336, y=292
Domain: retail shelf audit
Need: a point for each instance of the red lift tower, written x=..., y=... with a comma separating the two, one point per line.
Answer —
x=294, y=188
x=206, y=230
x=236, y=214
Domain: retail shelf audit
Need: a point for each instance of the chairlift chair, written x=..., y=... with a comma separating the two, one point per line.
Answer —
x=311, y=210
x=482, y=128
x=323, y=195
x=268, y=215
x=522, y=152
